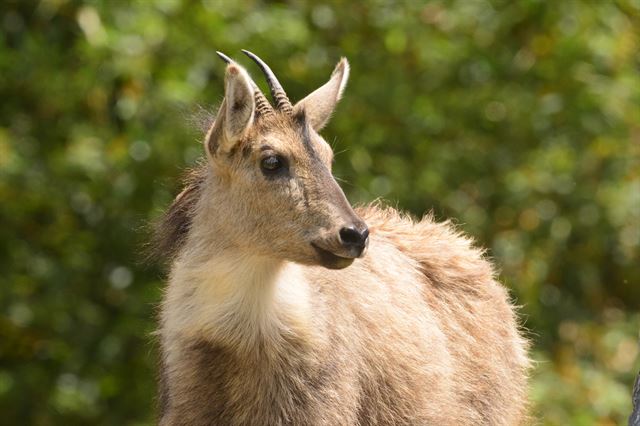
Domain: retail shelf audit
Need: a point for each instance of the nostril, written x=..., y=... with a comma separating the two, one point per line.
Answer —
x=350, y=235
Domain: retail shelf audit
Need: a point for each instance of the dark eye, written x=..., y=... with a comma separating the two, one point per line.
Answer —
x=272, y=164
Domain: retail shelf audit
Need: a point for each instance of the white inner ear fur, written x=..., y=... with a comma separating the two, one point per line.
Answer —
x=236, y=113
x=319, y=104
x=345, y=77
x=239, y=102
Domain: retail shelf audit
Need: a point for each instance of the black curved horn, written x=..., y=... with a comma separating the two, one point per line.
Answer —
x=263, y=107
x=277, y=92
x=224, y=57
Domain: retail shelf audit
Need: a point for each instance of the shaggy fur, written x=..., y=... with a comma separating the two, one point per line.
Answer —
x=255, y=330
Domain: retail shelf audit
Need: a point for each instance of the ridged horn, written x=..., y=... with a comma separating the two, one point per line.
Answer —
x=277, y=92
x=263, y=107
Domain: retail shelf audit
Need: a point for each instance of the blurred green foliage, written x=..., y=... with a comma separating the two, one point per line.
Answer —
x=519, y=119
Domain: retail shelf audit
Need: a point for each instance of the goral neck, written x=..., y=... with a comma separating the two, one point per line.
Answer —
x=236, y=300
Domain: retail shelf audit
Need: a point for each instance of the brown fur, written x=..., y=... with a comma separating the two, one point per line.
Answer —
x=256, y=331
x=172, y=228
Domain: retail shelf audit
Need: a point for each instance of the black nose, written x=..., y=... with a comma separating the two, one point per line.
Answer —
x=354, y=239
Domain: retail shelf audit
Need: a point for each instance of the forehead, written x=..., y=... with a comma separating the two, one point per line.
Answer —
x=290, y=135
x=281, y=133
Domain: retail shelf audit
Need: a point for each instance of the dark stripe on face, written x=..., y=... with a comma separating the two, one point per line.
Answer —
x=323, y=185
x=322, y=176
x=301, y=121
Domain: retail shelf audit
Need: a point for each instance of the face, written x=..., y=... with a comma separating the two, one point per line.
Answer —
x=284, y=200
x=274, y=172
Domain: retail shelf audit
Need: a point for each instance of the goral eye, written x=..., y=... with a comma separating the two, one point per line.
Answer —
x=272, y=164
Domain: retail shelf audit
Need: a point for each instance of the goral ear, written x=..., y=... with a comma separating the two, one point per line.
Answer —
x=319, y=105
x=236, y=113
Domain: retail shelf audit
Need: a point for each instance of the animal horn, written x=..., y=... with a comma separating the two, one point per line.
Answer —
x=224, y=57
x=263, y=107
x=277, y=92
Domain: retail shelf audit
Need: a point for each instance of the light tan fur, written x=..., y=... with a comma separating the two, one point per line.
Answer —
x=258, y=327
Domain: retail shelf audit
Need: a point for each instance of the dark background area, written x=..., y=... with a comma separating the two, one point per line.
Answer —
x=520, y=120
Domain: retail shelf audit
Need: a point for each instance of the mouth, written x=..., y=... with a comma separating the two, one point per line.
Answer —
x=331, y=260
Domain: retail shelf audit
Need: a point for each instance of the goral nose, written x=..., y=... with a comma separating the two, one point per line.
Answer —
x=354, y=239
